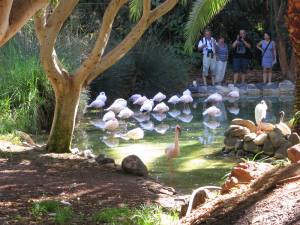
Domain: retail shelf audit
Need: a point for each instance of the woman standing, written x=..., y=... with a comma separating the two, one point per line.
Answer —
x=268, y=49
x=222, y=58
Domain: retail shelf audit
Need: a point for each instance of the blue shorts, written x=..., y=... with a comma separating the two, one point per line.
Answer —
x=240, y=65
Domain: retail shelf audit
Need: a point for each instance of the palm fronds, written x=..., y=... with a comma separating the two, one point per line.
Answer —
x=135, y=9
x=202, y=13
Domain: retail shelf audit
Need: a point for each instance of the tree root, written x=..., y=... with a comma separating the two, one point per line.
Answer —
x=226, y=205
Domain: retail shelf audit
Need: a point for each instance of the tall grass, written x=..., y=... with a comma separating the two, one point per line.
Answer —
x=26, y=98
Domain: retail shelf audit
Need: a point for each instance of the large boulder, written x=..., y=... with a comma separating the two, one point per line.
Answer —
x=294, y=153
x=285, y=130
x=250, y=146
x=277, y=138
x=294, y=138
x=230, y=142
x=267, y=127
x=245, y=123
x=250, y=137
x=101, y=160
x=268, y=148
x=237, y=131
x=134, y=165
x=260, y=139
x=281, y=152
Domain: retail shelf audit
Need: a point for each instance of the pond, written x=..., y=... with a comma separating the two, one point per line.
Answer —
x=201, y=161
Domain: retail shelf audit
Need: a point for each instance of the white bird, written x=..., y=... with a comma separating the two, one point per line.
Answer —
x=117, y=105
x=162, y=128
x=173, y=150
x=134, y=134
x=260, y=113
x=211, y=124
x=212, y=111
x=159, y=97
x=174, y=113
x=187, y=92
x=161, y=108
x=185, y=118
x=96, y=104
x=110, y=141
x=111, y=125
x=102, y=97
x=185, y=99
x=125, y=113
x=141, y=117
x=109, y=116
x=140, y=100
x=234, y=94
x=174, y=100
x=159, y=116
x=148, y=125
x=147, y=106
x=134, y=97
x=216, y=97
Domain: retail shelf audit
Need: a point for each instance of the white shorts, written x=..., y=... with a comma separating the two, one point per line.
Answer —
x=209, y=64
x=220, y=70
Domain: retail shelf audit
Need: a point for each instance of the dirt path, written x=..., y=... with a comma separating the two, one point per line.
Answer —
x=28, y=175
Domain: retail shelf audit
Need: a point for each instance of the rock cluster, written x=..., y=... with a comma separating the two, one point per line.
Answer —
x=134, y=165
x=241, y=136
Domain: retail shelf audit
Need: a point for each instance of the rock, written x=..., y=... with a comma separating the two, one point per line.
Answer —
x=294, y=138
x=260, y=139
x=285, y=130
x=276, y=138
x=250, y=146
x=253, y=90
x=246, y=172
x=237, y=131
x=240, y=153
x=272, y=89
x=222, y=90
x=239, y=145
x=245, y=123
x=267, y=127
x=250, y=137
x=286, y=87
x=230, y=183
x=134, y=165
x=281, y=152
x=101, y=160
x=268, y=148
x=230, y=142
x=294, y=153
x=88, y=154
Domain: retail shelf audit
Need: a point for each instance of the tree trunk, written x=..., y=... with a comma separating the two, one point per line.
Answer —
x=67, y=100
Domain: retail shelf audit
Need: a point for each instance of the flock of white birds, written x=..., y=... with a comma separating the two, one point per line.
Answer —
x=156, y=107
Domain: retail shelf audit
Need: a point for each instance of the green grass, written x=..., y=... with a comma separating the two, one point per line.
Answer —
x=63, y=214
x=143, y=215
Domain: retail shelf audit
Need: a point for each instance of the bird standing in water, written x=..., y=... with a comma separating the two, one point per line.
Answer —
x=260, y=114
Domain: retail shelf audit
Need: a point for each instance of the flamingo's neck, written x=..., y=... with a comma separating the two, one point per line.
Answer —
x=176, y=142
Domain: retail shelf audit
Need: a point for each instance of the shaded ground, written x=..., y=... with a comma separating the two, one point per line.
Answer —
x=28, y=175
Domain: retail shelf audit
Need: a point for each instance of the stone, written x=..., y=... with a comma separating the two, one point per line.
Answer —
x=293, y=153
x=101, y=160
x=240, y=153
x=246, y=172
x=260, y=139
x=250, y=137
x=230, y=183
x=250, y=146
x=267, y=127
x=245, y=123
x=286, y=87
x=268, y=148
x=237, y=131
x=294, y=138
x=271, y=90
x=253, y=90
x=281, y=152
x=285, y=130
x=222, y=90
x=230, y=142
x=239, y=145
x=134, y=165
x=276, y=138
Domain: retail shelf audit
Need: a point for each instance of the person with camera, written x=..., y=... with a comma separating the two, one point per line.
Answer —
x=207, y=46
x=268, y=49
x=241, y=56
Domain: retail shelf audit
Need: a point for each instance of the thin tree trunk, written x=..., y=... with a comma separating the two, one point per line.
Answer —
x=67, y=100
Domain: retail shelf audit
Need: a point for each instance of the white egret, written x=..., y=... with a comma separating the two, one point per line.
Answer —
x=260, y=114
x=98, y=103
x=102, y=97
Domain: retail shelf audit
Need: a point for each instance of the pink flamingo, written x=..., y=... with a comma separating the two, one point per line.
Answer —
x=173, y=150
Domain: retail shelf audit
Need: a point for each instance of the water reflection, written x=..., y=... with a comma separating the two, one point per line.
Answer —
x=200, y=142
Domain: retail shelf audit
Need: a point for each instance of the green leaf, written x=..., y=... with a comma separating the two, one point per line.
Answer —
x=135, y=9
x=202, y=13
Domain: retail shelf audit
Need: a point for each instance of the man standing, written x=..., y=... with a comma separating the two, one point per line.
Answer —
x=241, y=57
x=207, y=46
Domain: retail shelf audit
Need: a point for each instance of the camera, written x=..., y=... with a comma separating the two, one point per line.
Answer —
x=210, y=53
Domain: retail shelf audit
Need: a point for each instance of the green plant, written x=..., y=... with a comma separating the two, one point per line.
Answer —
x=113, y=216
x=63, y=215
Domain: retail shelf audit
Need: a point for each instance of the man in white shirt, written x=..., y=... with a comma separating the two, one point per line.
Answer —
x=207, y=46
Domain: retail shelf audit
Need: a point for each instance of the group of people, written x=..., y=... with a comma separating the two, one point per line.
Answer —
x=216, y=52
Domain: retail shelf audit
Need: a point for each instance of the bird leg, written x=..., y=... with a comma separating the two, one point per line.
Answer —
x=259, y=131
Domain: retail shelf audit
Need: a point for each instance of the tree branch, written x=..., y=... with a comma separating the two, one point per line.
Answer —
x=95, y=56
x=148, y=17
x=19, y=14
